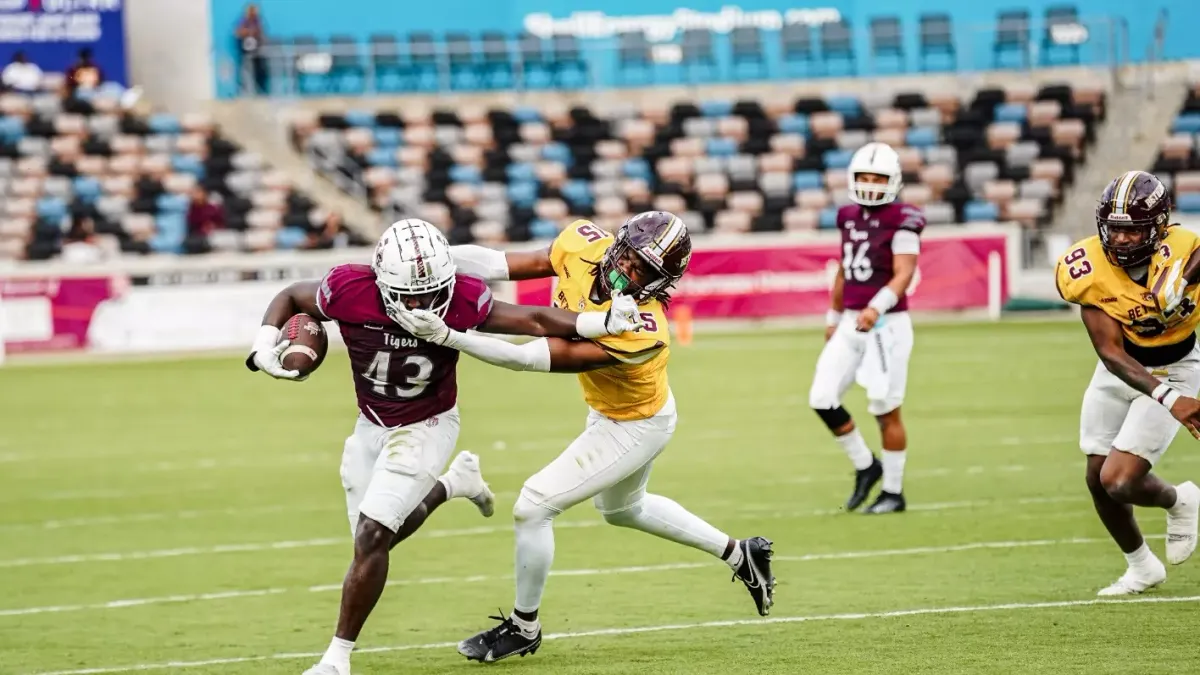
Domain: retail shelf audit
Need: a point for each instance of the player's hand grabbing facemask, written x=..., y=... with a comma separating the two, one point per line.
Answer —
x=622, y=316
x=424, y=325
x=1172, y=292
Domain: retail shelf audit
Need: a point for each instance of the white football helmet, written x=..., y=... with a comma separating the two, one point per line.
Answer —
x=412, y=258
x=877, y=158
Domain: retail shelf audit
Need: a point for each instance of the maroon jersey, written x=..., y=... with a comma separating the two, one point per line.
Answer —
x=867, y=236
x=398, y=379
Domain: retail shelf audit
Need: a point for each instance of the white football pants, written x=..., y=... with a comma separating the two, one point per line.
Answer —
x=1115, y=415
x=387, y=472
x=877, y=360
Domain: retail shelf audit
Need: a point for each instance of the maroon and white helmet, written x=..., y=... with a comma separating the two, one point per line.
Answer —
x=412, y=259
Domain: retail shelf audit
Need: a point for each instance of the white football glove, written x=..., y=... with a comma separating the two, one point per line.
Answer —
x=266, y=352
x=623, y=315
x=1172, y=292
x=424, y=325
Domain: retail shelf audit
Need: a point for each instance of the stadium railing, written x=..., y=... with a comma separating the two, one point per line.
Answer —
x=812, y=47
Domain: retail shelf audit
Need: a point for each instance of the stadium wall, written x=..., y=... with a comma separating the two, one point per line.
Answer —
x=974, y=21
x=171, y=51
x=211, y=303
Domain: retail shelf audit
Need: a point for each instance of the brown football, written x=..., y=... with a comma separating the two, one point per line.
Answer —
x=309, y=343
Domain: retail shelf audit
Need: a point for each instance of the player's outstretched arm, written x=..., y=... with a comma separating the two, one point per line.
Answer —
x=1109, y=343
x=492, y=265
x=298, y=298
x=622, y=316
x=544, y=355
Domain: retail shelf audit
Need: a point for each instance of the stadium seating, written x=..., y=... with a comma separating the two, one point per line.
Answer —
x=68, y=159
x=729, y=166
x=1178, y=163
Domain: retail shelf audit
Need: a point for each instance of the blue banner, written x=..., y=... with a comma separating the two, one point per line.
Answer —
x=52, y=32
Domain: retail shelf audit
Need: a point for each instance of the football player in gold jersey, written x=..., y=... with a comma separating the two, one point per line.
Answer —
x=632, y=411
x=1132, y=283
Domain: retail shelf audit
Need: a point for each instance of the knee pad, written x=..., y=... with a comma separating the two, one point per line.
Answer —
x=834, y=418
x=528, y=509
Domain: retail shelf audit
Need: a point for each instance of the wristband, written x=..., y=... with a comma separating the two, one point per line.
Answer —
x=884, y=300
x=268, y=336
x=591, y=325
x=832, y=317
x=1165, y=395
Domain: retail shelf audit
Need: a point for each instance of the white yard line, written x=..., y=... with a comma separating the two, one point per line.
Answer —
x=586, y=572
x=635, y=630
x=60, y=523
x=251, y=547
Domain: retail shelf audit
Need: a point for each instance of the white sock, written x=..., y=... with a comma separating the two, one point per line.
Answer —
x=893, y=470
x=666, y=519
x=535, y=553
x=856, y=449
x=448, y=482
x=528, y=628
x=338, y=654
x=735, y=557
x=1140, y=557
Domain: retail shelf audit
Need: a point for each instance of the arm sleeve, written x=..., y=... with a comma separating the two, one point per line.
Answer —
x=485, y=263
x=906, y=242
x=533, y=356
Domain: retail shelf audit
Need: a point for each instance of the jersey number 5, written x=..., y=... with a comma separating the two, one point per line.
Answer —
x=591, y=233
x=379, y=374
x=1084, y=267
x=855, y=263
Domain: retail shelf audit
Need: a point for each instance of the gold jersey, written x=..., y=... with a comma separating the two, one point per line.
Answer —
x=635, y=388
x=1085, y=277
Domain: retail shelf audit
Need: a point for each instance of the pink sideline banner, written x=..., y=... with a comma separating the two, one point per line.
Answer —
x=51, y=314
x=794, y=279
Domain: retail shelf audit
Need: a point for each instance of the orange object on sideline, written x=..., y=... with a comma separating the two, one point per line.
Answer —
x=683, y=325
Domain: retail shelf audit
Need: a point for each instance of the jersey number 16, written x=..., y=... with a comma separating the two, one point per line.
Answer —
x=855, y=263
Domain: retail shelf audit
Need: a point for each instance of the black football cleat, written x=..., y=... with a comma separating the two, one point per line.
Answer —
x=864, y=480
x=499, y=643
x=755, y=572
x=887, y=502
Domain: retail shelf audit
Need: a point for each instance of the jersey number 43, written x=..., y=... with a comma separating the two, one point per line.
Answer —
x=407, y=381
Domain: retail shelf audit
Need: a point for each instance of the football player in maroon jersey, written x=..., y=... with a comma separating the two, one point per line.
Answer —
x=407, y=394
x=869, y=336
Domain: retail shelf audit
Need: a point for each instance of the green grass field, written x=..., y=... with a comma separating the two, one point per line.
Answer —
x=188, y=517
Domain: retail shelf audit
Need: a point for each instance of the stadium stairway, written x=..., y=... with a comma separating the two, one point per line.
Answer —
x=257, y=125
x=1139, y=118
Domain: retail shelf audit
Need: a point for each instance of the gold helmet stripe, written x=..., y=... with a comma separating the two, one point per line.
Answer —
x=1124, y=191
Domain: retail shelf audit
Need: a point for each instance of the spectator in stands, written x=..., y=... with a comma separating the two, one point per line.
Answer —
x=21, y=75
x=80, y=245
x=333, y=233
x=204, y=216
x=85, y=73
x=251, y=34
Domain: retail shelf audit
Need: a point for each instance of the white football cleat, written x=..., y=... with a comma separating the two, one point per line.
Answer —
x=1136, y=581
x=1182, y=522
x=325, y=669
x=466, y=480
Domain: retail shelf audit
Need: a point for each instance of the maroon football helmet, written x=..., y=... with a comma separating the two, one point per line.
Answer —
x=1136, y=203
x=662, y=241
